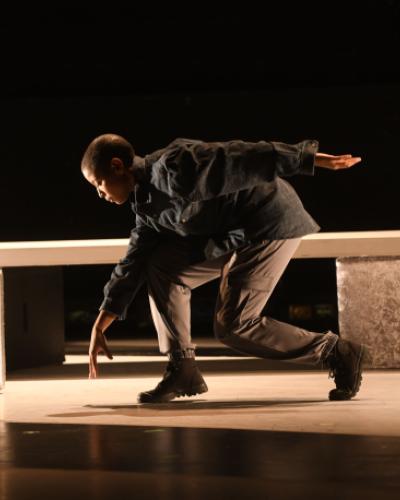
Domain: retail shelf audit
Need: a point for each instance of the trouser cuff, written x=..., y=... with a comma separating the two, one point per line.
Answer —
x=329, y=350
x=181, y=354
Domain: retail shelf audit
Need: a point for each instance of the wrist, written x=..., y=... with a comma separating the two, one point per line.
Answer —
x=98, y=328
x=104, y=320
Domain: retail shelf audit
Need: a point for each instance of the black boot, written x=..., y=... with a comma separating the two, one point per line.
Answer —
x=345, y=363
x=181, y=378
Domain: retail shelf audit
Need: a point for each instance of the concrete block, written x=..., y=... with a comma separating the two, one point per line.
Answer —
x=369, y=306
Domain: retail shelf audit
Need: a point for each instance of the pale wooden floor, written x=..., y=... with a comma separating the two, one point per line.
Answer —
x=243, y=394
x=258, y=433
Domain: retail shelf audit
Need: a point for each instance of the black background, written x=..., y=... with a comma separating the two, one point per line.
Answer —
x=275, y=71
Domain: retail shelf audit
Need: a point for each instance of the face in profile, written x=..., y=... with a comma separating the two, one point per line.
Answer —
x=115, y=187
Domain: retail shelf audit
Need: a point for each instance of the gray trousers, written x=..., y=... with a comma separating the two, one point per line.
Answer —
x=247, y=278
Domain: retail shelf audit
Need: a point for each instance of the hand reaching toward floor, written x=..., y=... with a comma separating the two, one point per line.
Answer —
x=98, y=342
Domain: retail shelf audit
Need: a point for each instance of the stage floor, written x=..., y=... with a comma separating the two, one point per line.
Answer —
x=258, y=433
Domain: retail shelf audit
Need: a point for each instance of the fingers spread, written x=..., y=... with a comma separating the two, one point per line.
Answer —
x=105, y=348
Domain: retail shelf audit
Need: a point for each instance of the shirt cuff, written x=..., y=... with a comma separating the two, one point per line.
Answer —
x=107, y=306
x=307, y=159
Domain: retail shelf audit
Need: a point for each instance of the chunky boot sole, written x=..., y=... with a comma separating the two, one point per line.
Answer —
x=346, y=394
x=150, y=397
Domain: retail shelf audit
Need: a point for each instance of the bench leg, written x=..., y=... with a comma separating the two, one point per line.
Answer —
x=369, y=306
x=2, y=335
x=32, y=317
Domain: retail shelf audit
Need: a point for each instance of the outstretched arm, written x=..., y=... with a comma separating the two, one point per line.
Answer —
x=335, y=162
x=200, y=170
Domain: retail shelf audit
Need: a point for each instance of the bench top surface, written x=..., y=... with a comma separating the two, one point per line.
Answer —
x=109, y=251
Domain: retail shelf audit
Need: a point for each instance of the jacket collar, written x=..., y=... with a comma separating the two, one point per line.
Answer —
x=140, y=194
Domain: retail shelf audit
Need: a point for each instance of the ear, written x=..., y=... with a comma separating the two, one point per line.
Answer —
x=117, y=166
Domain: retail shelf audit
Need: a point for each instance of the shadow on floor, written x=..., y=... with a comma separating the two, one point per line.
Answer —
x=201, y=407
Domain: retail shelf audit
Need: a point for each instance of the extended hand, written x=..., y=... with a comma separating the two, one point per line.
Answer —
x=335, y=162
x=97, y=344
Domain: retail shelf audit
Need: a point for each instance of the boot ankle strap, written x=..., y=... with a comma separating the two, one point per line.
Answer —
x=181, y=354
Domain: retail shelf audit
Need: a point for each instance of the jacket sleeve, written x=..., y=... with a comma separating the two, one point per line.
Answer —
x=202, y=170
x=128, y=275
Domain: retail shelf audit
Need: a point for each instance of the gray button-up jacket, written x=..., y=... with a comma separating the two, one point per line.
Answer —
x=221, y=195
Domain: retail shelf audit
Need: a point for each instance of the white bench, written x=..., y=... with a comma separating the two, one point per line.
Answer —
x=368, y=278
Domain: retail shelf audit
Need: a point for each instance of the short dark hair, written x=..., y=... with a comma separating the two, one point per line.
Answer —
x=102, y=149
